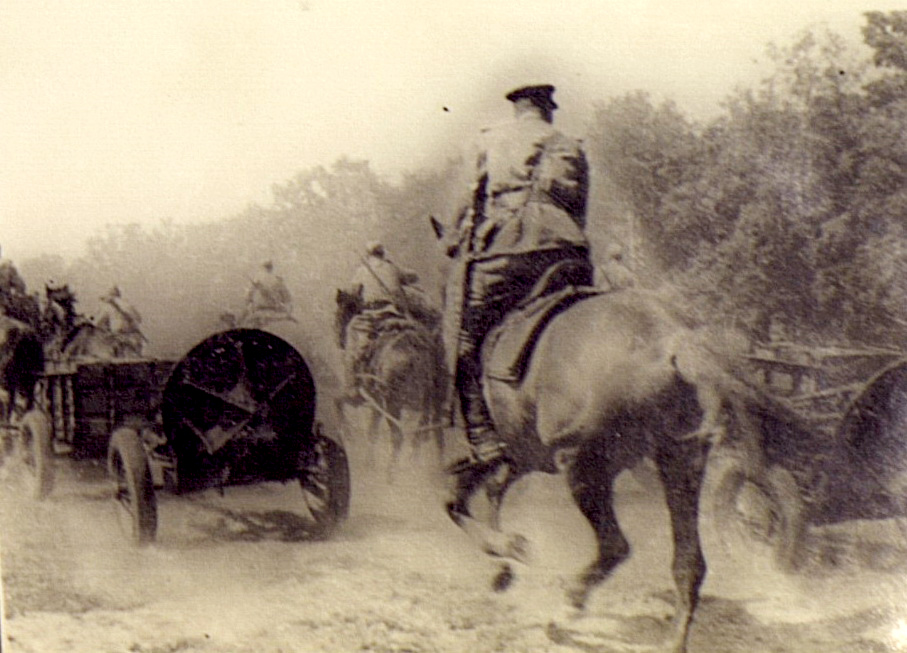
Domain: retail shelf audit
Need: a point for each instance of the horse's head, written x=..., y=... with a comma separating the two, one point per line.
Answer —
x=348, y=306
x=61, y=296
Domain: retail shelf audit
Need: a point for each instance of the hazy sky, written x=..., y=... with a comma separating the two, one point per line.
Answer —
x=116, y=111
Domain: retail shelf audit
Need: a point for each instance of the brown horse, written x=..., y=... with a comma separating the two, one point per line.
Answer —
x=613, y=379
x=69, y=335
x=21, y=365
x=401, y=369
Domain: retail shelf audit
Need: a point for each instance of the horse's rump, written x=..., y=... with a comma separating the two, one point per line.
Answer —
x=402, y=355
x=606, y=353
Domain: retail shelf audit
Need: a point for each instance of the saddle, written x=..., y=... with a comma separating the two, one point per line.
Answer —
x=509, y=346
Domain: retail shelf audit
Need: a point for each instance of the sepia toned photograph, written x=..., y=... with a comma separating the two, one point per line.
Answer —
x=458, y=327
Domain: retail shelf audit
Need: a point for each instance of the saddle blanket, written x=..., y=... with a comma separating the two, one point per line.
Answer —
x=508, y=348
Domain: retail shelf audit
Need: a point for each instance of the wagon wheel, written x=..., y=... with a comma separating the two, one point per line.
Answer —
x=35, y=452
x=873, y=433
x=767, y=509
x=240, y=404
x=133, y=486
x=324, y=477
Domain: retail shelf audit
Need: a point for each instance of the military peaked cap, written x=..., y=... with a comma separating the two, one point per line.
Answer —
x=540, y=94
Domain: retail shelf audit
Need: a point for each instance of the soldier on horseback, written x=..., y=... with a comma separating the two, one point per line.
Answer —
x=520, y=227
x=267, y=299
x=123, y=322
x=382, y=293
x=67, y=333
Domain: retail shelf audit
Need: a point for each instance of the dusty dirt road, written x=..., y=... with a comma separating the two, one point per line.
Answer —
x=399, y=577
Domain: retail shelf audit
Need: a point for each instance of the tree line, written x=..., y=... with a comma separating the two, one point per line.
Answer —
x=790, y=205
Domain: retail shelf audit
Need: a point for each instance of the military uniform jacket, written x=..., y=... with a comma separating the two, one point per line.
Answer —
x=379, y=280
x=119, y=317
x=529, y=194
x=268, y=292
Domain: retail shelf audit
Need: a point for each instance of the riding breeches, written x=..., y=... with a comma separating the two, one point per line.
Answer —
x=494, y=288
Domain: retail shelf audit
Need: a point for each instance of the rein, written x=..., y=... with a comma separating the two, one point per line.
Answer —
x=390, y=418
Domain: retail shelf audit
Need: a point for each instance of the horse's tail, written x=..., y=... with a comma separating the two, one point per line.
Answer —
x=762, y=427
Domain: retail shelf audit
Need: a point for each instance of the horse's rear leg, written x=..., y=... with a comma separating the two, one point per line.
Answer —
x=394, y=416
x=495, y=477
x=591, y=483
x=371, y=436
x=681, y=466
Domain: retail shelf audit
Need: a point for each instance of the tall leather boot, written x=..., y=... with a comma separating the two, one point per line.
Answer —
x=484, y=443
x=486, y=449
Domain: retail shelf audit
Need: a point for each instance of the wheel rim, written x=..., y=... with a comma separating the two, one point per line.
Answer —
x=316, y=485
x=27, y=454
x=730, y=508
x=324, y=482
x=124, y=502
x=756, y=513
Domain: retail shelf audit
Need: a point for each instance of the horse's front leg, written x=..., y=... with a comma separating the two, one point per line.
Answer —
x=495, y=477
x=394, y=425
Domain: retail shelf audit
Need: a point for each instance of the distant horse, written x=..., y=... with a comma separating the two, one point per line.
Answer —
x=612, y=379
x=402, y=369
x=71, y=336
x=21, y=365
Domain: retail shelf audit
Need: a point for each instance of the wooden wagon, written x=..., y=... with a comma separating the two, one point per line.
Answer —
x=239, y=408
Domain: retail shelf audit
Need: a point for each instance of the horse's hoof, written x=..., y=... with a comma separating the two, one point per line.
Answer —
x=519, y=548
x=577, y=597
x=457, y=512
x=503, y=579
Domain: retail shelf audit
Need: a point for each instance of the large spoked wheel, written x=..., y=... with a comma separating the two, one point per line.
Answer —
x=767, y=510
x=237, y=409
x=325, y=481
x=136, y=503
x=35, y=452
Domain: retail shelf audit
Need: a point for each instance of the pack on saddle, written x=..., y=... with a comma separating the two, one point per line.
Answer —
x=383, y=300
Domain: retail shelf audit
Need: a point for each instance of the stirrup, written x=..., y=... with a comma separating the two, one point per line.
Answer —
x=476, y=464
x=484, y=443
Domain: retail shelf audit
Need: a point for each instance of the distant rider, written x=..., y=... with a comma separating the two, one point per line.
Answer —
x=268, y=298
x=381, y=289
x=123, y=322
